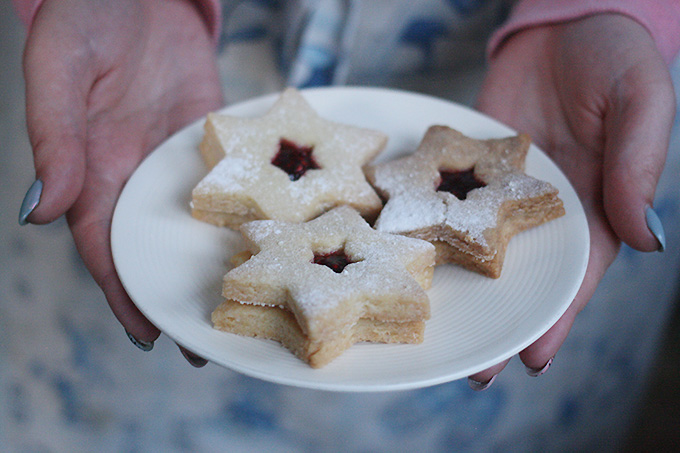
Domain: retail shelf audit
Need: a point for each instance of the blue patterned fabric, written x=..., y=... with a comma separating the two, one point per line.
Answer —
x=308, y=43
x=71, y=381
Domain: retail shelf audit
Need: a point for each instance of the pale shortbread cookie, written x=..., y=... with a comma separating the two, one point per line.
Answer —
x=329, y=273
x=289, y=164
x=468, y=197
x=279, y=324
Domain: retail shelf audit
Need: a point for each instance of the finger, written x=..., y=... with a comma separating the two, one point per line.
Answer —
x=484, y=379
x=193, y=359
x=604, y=247
x=538, y=357
x=90, y=222
x=56, y=93
x=638, y=125
x=92, y=240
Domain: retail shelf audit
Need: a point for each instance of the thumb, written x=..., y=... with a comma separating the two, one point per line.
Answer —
x=638, y=125
x=56, y=94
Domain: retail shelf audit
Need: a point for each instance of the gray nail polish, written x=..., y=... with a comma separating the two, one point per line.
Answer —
x=145, y=346
x=480, y=386
x=193, y=359
x=655, y=226
x=31, y=200
x=536, y=372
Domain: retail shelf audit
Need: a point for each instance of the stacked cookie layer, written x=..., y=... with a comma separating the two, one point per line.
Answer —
x=319, y=287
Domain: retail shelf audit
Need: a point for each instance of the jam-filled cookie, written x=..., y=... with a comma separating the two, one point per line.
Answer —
x=467, y=197
x=318, y=287
x=289, y=164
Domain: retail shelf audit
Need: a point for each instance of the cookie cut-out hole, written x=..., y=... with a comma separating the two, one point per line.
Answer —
x=459, y=182
x=337, y=261
x=294, y=159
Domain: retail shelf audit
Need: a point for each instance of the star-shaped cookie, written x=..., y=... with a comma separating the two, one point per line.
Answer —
x=331, y=272
x=289, y=164
x=468, y=197
x=279, y=324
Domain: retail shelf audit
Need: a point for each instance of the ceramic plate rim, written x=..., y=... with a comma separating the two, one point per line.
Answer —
x=133, y=219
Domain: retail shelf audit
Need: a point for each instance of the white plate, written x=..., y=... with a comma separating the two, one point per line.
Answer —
x=172, y=265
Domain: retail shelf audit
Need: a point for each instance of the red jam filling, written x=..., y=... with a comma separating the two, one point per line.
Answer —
x=336, y=261
x=294, y=159
x=459, y=182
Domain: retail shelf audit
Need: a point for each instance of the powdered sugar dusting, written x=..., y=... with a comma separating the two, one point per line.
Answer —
x=247, y=172
x=415, y=205
x=229, y=175
x=325, y=301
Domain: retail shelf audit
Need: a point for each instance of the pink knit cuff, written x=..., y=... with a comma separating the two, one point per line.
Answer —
x=661, y=18
x=209, y=9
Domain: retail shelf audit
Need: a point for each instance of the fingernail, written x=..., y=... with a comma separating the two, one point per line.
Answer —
x=536, y=372
x=145, y=346
x=655, y=226
x=480, y=386
x=31, y=200
x=193, y=359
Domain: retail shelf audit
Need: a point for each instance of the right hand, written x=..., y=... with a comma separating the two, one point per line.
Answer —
x=597, y=97
x=106, y=82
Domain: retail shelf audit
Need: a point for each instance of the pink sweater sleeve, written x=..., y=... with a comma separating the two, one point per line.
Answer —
x=660, y=17
x=209, y=9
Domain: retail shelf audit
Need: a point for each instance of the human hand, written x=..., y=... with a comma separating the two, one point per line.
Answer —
x=105, y=83
x=597, y=97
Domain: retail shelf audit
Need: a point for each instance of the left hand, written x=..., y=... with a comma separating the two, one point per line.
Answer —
x=106, y=82
x=597, y=97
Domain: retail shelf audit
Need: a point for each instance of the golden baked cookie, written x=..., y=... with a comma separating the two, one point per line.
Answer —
x=289, y=164
x=279, y=324
x=467, y=197
x=338, y=279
